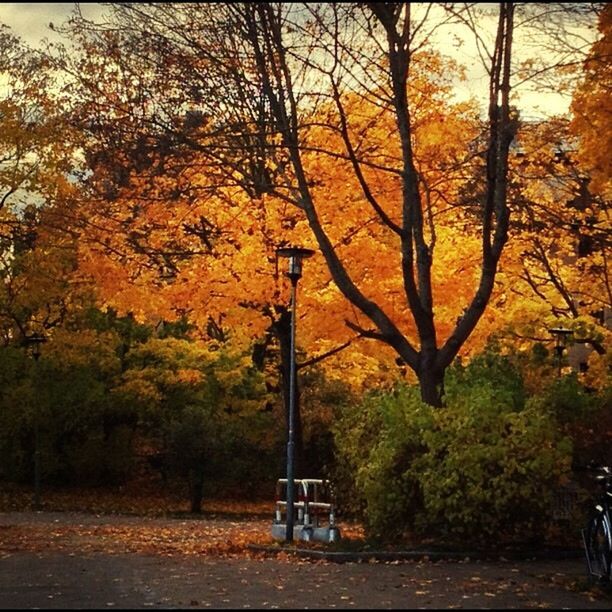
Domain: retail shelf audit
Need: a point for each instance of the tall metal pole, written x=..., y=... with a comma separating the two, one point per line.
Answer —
x=291, y=433
x=36, y=500
x=295, y=256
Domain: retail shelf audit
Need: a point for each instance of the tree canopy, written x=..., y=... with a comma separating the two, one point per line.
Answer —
x=204, y=137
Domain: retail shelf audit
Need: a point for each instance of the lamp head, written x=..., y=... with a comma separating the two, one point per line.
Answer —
x=561, y=334
x=34, y=341
x=295, y=256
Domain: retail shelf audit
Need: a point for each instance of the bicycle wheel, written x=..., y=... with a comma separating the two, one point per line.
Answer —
x=599, y=548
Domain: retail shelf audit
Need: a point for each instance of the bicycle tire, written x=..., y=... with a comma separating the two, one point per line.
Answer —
x=599, y=549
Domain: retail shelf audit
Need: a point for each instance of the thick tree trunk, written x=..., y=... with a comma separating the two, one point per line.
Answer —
x=196, y=485
x=431, y=382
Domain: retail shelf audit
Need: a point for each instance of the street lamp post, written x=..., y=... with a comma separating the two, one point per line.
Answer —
x=34, y=341
x=294, y=272
x=561, y=335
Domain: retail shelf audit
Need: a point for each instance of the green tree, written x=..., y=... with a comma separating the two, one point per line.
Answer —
x=201, y=405
x=84, y=434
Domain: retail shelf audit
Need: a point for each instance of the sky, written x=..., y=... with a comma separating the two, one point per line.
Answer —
x=30, y=21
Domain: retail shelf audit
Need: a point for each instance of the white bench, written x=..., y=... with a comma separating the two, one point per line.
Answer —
x=314, y=501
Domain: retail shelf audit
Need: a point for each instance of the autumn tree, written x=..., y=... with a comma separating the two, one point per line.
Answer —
x=157, y=239
x=200, y=405
x=381, y=60
x=265, y=92
x=560, y=198
x=591, y=114
x=37, y=246
x=561, y=242
x=281, y=64
x=40, y=288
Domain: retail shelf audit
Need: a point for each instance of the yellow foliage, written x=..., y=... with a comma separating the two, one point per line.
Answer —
x=592, y=110
x=599, y=373
x=164, y=246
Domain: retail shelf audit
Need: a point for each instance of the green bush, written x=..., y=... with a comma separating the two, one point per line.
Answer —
x=489, y=470
x=377, y=441
x=16, y=415
x=492, y=371
x=567, y=400
x=84, y=438
x=483, y=467
x=584, y=416
x=202, y=408
x=103, y=402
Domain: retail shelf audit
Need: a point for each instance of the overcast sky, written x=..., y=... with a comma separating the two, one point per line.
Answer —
x=31, y=21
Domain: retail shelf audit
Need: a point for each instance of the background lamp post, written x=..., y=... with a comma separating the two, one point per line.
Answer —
x=34, y=342
x=561, y=335
x=294, y=272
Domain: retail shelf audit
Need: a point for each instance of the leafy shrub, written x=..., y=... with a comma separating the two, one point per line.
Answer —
x=486, y=464
x=16, y=414
x=489, y=469
x=492, y=371
x=567, y=400
x=83, y=437
x=583, y=415
x=93, y=394
x=376, y=441
x=201, y=407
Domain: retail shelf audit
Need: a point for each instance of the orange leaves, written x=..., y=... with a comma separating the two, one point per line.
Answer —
x=181, y=236
x=219, y=244
x=119, y=535
x=222, y=531
x=592, y=112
